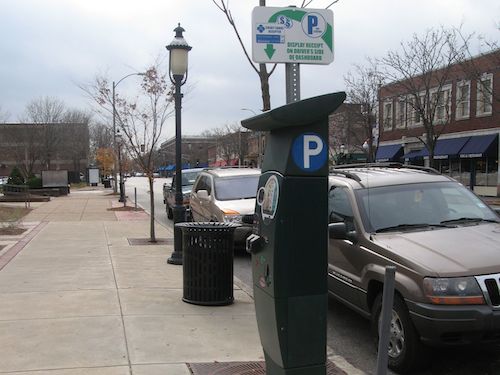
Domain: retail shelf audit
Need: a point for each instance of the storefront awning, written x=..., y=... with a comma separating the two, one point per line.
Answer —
x=389, y=152
x=414, y=154
x=446, y=148
x=479, y=146
x=170, y=167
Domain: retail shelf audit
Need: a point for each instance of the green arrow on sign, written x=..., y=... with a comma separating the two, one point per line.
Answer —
x=270, y=51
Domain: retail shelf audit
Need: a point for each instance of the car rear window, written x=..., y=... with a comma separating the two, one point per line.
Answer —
x=238, y=187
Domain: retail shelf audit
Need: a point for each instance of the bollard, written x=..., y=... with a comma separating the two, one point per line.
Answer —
x=135, y=198
x=386, y=316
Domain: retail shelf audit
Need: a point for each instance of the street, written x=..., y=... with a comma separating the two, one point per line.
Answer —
x=349, y=335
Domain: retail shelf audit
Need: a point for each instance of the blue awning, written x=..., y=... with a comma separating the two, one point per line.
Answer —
x=479, y=146
x=389, y=152
x=170, y=167
x=414, y=154
x=446, y=148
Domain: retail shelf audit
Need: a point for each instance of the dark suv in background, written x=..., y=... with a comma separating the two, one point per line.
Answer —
x=442, y=239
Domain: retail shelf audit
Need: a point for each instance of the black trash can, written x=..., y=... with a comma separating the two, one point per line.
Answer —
x=207, y=263
x=107, y=183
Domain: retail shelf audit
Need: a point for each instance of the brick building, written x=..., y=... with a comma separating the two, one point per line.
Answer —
x=194, y=152
x=36, y=147
x=466, y=113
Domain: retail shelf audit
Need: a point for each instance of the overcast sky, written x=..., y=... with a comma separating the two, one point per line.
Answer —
x=49, y=47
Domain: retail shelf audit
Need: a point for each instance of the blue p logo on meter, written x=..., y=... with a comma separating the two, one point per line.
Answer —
x=309, y=152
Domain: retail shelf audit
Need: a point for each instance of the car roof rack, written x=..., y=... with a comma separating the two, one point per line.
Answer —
x=383, y=165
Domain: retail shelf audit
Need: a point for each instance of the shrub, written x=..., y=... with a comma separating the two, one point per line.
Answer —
x=15, y=178
x=34, y=182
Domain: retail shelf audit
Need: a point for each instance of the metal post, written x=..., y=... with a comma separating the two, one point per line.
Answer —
x=385, y=323
x=292, y=79
x=122, y=187
x=179, y=210
x=135, y=198
x=115, y=187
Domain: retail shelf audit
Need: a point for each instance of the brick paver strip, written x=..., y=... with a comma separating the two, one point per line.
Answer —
x=16, y=249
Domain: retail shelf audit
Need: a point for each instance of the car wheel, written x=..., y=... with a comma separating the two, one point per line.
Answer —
x=170, y=213
x=406, y=352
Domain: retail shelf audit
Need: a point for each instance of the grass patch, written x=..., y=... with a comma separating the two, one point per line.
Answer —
x=126, y=208
x=9, y=217
x=11, y=214
x=78, y=185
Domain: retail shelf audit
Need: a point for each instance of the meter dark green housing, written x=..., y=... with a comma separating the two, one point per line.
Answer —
x=290, y=239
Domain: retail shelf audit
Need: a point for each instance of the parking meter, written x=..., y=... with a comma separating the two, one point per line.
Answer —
x=290, y=239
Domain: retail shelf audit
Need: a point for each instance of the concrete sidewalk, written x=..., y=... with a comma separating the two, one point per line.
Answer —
x=77, y=298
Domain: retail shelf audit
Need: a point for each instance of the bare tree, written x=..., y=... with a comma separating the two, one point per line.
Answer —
x=101, y=137
x=422, y=70
x=25, y=144
x=489, y=56
x=230, y=142
x=44, y=111
x=362, y=87
x=141, y=120
x=75, y=136
x=260, y=69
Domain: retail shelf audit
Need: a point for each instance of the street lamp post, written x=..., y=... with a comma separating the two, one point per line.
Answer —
x=178, y=69
x=122, y=199
x=122, y=193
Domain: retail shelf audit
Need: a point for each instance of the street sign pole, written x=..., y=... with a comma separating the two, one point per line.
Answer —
x=292, y=82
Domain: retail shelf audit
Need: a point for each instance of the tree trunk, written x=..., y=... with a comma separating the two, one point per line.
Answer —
x=264, y=87
x=152, y=236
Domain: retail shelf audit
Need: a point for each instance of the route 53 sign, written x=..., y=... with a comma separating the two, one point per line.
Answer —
x=292, y=35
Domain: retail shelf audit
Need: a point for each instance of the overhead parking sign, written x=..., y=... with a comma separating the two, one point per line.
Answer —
x=292, y=35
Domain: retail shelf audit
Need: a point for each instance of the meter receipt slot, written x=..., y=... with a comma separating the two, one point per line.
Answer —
x=289, y=243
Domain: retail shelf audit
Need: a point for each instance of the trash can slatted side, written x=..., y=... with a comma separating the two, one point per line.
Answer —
x=208, y=263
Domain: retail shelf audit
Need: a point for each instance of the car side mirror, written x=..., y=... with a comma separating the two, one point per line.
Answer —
x=338, y=231
x=203, y=195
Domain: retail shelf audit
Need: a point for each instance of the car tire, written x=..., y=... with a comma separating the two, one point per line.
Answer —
x=170, y=213
x=406, y=351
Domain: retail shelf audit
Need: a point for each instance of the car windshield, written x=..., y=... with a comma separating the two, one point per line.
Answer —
x=421, y=206
x=238, y=187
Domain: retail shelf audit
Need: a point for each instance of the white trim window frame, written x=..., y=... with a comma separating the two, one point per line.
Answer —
x=462, y=100
x=442, y=105
x=388, y=118
x=401, y=111
x=484, y=102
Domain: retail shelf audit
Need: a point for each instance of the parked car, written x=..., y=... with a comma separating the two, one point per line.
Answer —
x=442, y=239
x=226, y=195
x=188, y=178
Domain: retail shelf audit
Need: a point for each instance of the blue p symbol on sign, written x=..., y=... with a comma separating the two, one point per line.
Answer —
x=309, y=152
x=312, y=22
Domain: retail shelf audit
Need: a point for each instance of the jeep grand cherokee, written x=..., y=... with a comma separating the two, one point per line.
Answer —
x=444, y=242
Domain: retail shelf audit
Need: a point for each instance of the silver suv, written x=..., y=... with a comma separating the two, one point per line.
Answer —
x=442, y=239
x=226, y=195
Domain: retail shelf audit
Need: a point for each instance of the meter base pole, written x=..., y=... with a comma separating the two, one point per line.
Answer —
x=274, y=369
x=292, y=82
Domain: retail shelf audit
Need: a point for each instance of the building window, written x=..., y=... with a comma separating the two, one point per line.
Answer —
x=484, y=95
x=463, y=100
x=441, y=101
x=401, y=113
x=388, y=115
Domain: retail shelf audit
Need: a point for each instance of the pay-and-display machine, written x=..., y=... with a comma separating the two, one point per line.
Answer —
x=290, y=239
